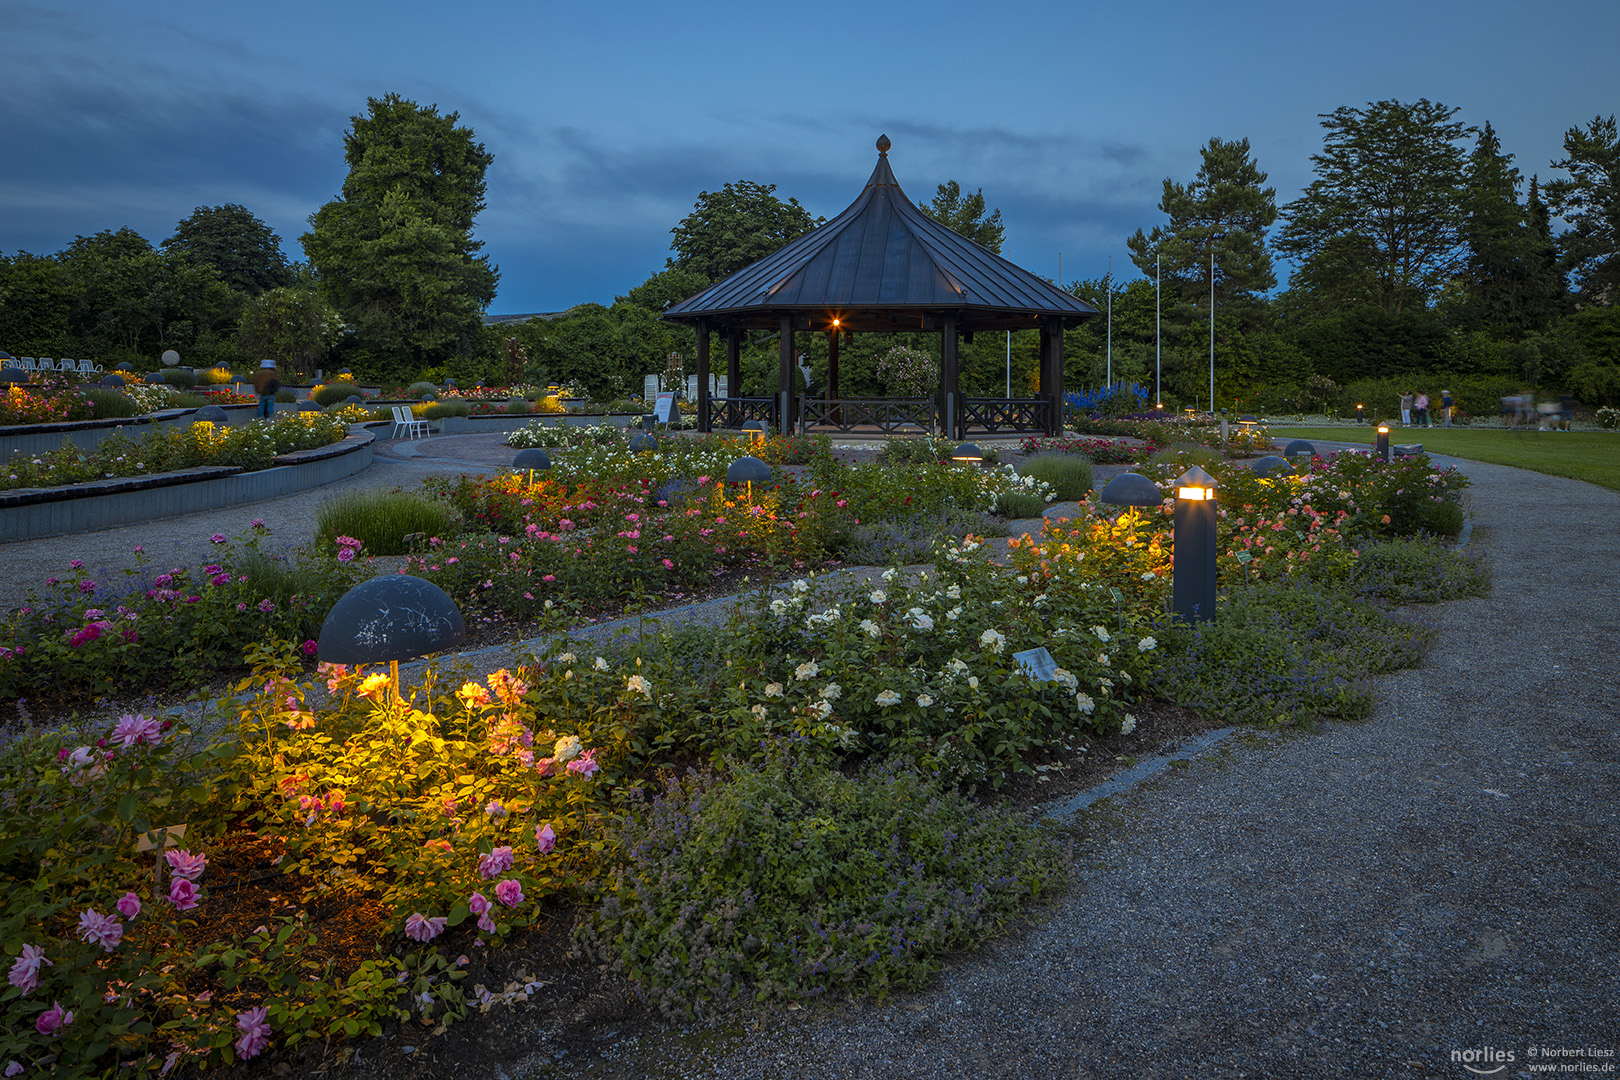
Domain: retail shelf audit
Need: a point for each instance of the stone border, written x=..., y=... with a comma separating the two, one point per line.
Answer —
x=32, y=513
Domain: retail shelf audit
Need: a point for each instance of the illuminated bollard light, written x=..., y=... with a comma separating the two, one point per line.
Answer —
x=1192, y=587
x=1383, y=442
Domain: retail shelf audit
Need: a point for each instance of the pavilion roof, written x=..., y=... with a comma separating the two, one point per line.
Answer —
x=882, y=264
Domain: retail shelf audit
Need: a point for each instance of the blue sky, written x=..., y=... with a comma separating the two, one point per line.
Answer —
x=606, y=120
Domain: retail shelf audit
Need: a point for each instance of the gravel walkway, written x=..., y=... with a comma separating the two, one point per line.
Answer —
x=1361, y=901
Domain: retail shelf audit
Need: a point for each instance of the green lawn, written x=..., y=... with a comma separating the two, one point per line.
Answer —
x=1593, y=456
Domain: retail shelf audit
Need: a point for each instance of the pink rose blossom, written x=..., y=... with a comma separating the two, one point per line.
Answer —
x=183, y=864
x=477, y=903
x=486, y=924
x=53, y=1019
x=510, y=892
x=182, y=894
x=25, y=969
x=418, y=928
x=496, y=862
x=133, y=730
x=129, y=906
x=98, y=929
x=585, y=764
x=255, y=1029
x=546, y=838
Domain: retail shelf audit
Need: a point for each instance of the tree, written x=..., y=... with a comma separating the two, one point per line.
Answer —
x=966, y=215
x=1224, y=212
x=293, y=327
x=1589, y=200
x=245, y=251
x=1382, y=220
x=737, y=225
x=134, y=301
x=1509, y=284
x=395, y=254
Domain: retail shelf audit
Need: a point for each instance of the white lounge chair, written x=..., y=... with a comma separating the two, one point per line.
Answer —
x=406, y=421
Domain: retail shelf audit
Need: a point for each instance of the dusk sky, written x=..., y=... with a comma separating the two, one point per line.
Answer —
x=607, y=120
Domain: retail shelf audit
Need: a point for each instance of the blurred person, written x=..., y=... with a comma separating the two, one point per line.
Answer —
x=266, y=384
x=1406, y=408
x=1420, y=410
x=1446, y=405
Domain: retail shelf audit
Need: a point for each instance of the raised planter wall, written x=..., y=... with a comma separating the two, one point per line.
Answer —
x=28, y=514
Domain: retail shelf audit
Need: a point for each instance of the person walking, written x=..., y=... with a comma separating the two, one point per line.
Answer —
x=1420, y=410
x=1406, y=408
x=266, y=383
x=1445, y=408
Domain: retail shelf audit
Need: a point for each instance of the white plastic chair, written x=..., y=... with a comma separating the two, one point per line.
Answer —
x=407, y=422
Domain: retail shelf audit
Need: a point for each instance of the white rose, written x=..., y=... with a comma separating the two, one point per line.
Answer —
x=832, y=691
x=1147, y=644
x=1102, y=635
x=923, y=700
x=887, y=698
x=879, y=596
x=871, y=628
x=806, y=670
x=1127, y=725
x=1084, y=703
x=773, y=689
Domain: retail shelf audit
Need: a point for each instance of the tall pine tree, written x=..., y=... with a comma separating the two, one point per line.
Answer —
x=1224, y=212
x=1510, y=288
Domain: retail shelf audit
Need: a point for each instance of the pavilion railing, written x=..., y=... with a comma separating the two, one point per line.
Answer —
x=995, y=415
x=888, y=415
x=734, y=412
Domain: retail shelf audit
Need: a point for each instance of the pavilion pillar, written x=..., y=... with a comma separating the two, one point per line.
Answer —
x=950, y=396
x=787, y=363
x=733, y=375
x=703, y=375
x=832, y=370
x=1043, y=366
x=1055, y=335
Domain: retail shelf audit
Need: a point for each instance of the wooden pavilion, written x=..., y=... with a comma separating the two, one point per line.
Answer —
x=882, y=265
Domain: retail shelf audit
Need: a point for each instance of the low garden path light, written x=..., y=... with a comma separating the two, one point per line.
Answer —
x=748, y=470
x=1383, y=442
x=393, y=617
x=533, y=458
x=1269, y=466
x=1192, y=587
x=968, y=452
x=1133, y=491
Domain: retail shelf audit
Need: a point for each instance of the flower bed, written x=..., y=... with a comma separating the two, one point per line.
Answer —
x=251, y=446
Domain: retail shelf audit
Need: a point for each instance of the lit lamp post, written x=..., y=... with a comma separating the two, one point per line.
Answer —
x=1360, y=416
x=1192, y=587
x=1383, y=442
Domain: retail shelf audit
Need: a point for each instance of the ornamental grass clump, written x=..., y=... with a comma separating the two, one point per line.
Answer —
x=784, y=881
x=1069, y=475
x=380, y=520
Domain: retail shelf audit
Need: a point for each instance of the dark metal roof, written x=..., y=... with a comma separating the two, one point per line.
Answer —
x=882, y=265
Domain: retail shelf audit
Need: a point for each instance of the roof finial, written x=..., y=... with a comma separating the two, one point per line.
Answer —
x=883, y=144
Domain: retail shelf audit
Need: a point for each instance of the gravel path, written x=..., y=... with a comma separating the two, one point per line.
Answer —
x=1361, y=901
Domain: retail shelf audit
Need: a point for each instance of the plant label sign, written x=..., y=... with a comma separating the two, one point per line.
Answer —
x=665, y=409
x=1037, y=664
x=165, y=837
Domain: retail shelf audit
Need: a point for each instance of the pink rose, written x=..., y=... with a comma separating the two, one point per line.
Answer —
x=98, y=929
x=546, y=838
x=510, y=892
x=53, y=1019
x=422, y=929
x=585, y=764
x=129, y=906
x=183, y=864
x=477, y=903
x=255, y=1029
x=25, y=969
x=496, y=862
x=182, y=894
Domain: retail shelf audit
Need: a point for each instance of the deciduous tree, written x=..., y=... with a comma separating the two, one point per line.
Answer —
x=737, y=225
x=1382, y=221
x=395, y=254
x=246, y=252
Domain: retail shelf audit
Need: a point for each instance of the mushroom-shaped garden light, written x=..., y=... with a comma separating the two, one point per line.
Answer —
x=748, y=470
x=533, y=458
x=393, y=617
x=1269, y=466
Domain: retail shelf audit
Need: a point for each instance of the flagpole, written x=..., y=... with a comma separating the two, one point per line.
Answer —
x=1108, y=378
x=1212, y=331
x=1158, y=344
